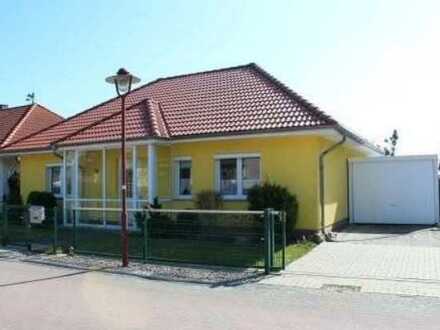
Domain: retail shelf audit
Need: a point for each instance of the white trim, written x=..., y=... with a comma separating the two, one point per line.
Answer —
x=317, y=131
x=152, y=172
x=104, y=184
x=76, y=180
x=176, y=210
x=176, y=177
x=239, y=155
x=113, y=145
x=64, y=187
x=182, y=158
x=325, y=132
x=49, y=179
x=134, y=181
x=394, y=158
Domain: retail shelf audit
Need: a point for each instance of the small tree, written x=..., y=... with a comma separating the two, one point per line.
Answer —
x=14, y=196
x=390, y=149
x=271, y=195
x=209, y=200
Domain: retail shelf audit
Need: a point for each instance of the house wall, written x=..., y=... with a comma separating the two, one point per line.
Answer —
x=336, y=181
x=289, y=161
x=33, y=172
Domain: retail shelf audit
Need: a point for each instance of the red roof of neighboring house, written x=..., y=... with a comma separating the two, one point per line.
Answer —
x=19, y=122
x=242, y=99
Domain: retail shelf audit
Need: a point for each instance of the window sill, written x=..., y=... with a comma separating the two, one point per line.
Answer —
x=183, y=198
x=235, y=198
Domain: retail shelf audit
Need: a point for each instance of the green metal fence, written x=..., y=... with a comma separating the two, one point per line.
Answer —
x=211, y=237
x=17, y=230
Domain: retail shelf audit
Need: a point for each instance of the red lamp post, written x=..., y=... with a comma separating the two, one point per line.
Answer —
x=123, y=81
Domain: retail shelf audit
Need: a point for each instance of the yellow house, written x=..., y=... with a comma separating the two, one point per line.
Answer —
x=223, y=130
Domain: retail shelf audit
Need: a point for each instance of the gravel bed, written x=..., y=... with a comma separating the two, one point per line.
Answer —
x=211, y=275
x=14, y=253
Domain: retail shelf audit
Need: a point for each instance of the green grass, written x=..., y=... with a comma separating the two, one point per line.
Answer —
x=296, y=251
x=106, y=242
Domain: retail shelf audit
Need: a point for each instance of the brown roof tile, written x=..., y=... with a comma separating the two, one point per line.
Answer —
x=226, y=101
x=19, y=122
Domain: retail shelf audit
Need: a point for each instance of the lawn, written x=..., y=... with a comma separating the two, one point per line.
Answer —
x=296, y=251
x=192, y=250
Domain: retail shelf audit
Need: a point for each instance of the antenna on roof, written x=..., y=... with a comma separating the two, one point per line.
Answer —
x=31, y=97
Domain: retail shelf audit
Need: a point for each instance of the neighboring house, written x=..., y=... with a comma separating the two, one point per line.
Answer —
x=226, y=129
x=15, y=124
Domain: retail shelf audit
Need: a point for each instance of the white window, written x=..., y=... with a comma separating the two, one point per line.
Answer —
x=183, y=178
x=236, y=174
x=53, y=179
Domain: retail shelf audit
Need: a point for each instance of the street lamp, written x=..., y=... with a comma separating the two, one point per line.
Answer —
x=123, y=81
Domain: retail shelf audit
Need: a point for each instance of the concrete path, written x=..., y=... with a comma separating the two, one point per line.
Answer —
x=41, y=297
x=394, y=260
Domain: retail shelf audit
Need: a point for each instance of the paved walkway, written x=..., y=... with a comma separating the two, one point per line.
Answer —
x=403, y=263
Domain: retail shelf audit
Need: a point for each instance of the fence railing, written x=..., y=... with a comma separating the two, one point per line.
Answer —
x=212, y=237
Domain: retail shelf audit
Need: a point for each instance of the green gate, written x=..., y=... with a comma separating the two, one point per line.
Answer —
x=17, y=228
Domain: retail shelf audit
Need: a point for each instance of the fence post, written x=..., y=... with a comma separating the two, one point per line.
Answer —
x=146, y=242
x=5, y=235
x=27, y=222
x=55, y=229
x=284, y=235
x=267, y=238
x=74, y=228
x=272, y=238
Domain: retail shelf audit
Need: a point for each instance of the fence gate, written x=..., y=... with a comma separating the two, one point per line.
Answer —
x=17, y=229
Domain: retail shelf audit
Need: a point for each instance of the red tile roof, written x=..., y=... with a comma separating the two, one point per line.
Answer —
x=19, y=122
x=243, y=99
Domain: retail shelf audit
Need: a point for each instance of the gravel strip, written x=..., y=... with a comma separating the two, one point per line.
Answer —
x=212, y=275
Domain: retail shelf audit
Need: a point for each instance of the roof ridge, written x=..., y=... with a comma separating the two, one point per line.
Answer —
x=17, y=106
x=165, y=122
x=115, y=114
x=241, y=66
x=153, y=116
x=297, y=97
x=49, y=110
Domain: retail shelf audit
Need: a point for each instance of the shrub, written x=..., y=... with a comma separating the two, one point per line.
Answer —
x=208, y=200
x=14, y=197
x=42, y=198
x=271, y=195
x=158, y=223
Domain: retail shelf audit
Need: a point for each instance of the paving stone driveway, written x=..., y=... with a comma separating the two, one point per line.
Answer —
x=402, y=260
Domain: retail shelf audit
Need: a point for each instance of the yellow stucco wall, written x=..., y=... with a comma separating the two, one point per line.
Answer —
x=336, y=181
x=291, y=161
x=33, y=172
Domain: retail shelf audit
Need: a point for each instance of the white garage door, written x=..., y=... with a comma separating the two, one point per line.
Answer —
x=394, y=190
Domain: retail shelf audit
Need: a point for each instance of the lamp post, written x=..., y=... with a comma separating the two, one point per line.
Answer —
x=123, y=81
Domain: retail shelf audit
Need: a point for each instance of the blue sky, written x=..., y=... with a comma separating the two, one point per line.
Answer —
x=373, y=65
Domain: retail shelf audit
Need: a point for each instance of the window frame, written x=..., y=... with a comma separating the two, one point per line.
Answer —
x=176, y=171
x=49, y=176
x=239, y=177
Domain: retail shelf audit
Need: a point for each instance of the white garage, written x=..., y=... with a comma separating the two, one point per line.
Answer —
x=394, y=190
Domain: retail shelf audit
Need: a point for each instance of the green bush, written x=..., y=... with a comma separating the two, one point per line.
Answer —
x=277, y=197
x=208, y=200
x=14, y=197
x=42, y=198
